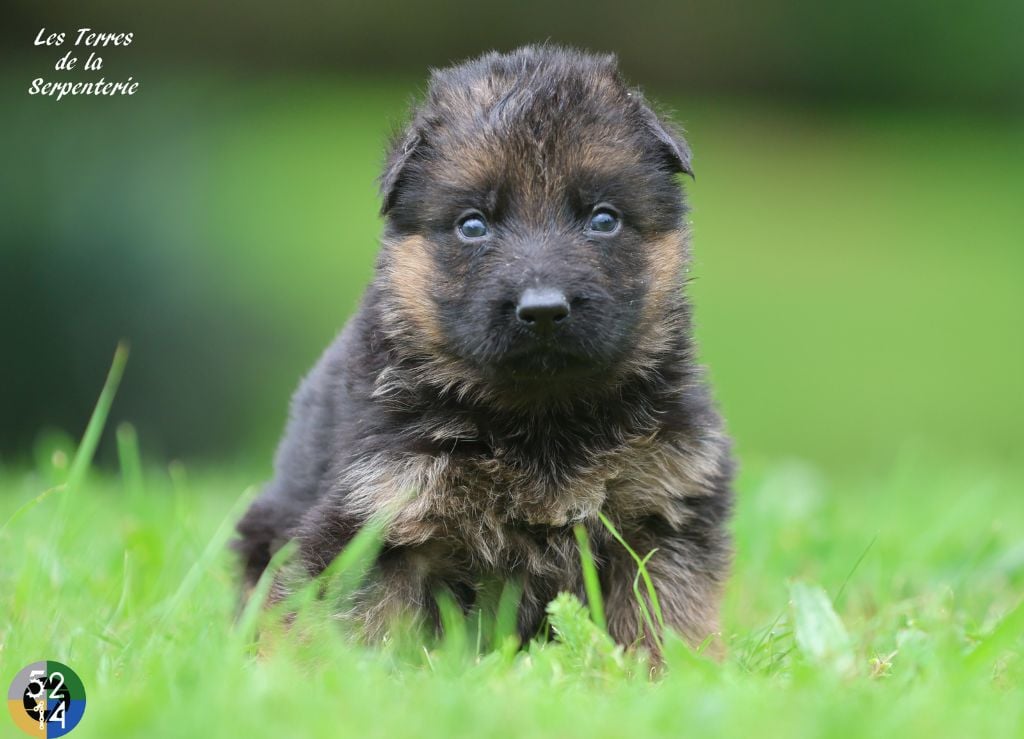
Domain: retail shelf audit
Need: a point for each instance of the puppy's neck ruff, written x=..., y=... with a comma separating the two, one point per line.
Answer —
x=443, y=404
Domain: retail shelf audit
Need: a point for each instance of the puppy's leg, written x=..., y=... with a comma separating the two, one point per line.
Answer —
x=396, y=596
x=688, y=572
x=396, y=593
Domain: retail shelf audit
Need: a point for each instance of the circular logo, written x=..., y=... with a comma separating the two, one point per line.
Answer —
x=46, y=699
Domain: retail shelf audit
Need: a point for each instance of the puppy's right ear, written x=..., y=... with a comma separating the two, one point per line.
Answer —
x=674, y=146
x=403, y=147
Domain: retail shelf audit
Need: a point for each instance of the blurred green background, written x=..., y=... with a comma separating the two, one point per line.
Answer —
x=859, y=253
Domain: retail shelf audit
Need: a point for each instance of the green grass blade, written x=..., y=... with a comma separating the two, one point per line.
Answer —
x=820, y=634
x=1001, y=638
x=87, y=447
x=641, y=564
x=454, y=629
x=853, y=570
x=205, y=563
x=506, y=618
x=654, y=629
x=28, y=505
x=591, y=581
x=348, y=570
x=122, y=601
x=130, y=459
x=245, y=626
x=94, y=430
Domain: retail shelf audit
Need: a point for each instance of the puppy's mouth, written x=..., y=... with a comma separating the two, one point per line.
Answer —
x=547, y=361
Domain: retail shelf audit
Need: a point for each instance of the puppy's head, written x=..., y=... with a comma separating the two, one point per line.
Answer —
x=534, y=236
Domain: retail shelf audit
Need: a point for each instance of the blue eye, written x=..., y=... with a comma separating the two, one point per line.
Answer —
x=473, y=226
x=603, y=221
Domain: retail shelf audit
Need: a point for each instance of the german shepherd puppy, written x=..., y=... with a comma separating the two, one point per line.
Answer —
x=521, y=363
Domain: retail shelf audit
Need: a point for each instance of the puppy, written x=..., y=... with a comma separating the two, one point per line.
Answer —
x=521, y=363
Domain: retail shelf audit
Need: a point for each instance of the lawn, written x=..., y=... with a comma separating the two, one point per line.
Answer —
x=887, y=606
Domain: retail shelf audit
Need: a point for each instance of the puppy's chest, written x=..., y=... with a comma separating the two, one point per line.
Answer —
x=497, y=505
x=501, y=516
x=517, y=492
x=451, y=491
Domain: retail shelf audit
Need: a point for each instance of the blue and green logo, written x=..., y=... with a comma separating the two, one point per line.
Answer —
x=46, y=699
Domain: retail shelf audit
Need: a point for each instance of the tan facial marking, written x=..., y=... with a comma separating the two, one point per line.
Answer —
x=411, y=281
x=667, y=255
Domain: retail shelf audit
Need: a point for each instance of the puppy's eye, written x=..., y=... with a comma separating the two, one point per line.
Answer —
x=472, y=226
x=603, y=221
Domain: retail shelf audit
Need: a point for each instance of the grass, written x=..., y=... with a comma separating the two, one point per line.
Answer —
x=873, y=607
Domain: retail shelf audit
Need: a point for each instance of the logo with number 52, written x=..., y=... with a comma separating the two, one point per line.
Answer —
x=46, y=699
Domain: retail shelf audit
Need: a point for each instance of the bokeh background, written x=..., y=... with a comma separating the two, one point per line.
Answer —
x=858, y=208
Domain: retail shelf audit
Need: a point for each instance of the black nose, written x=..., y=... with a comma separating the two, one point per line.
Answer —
x=542, y=308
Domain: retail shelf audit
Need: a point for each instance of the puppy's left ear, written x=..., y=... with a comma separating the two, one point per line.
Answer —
x=676, y=150
x=403, y=146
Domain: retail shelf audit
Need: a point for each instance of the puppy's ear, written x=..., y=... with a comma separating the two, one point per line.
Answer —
x=676, y=150
x=403, y=147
